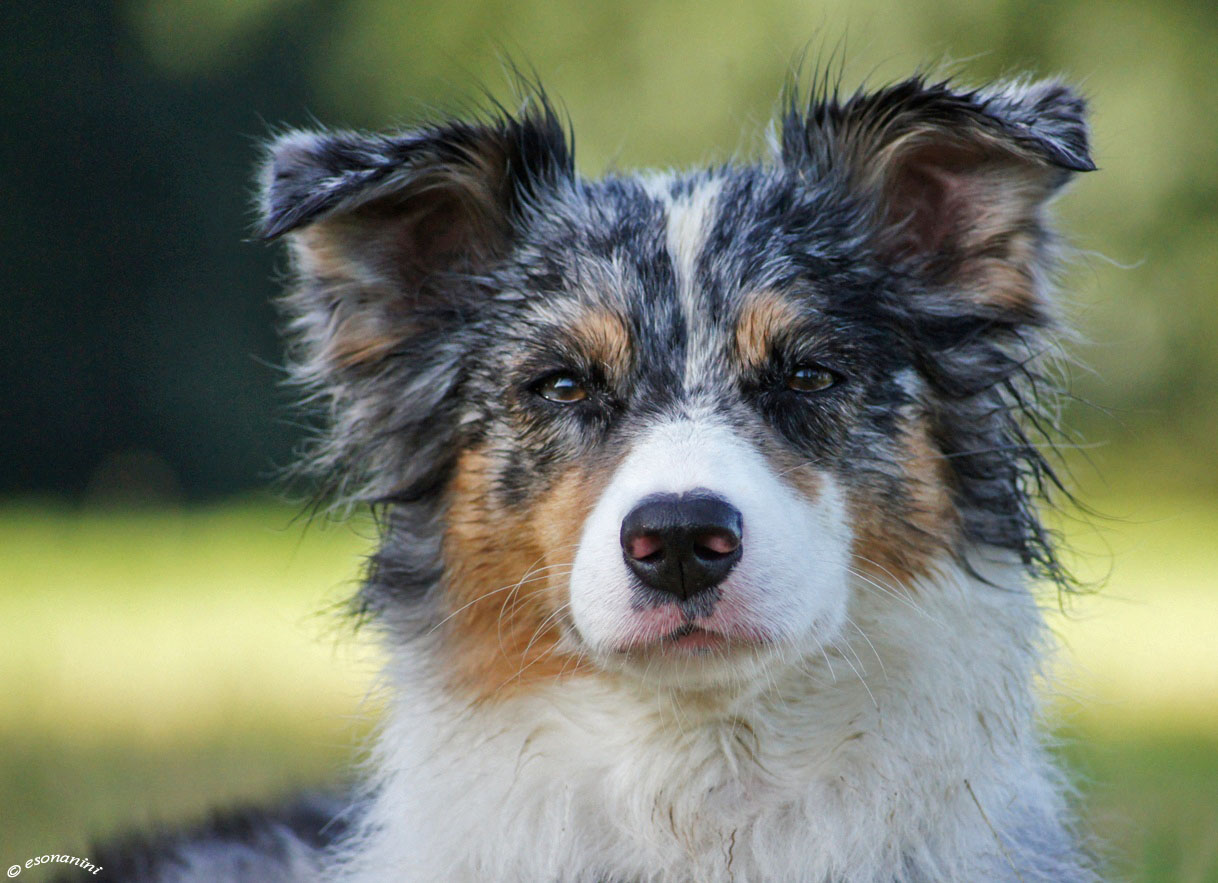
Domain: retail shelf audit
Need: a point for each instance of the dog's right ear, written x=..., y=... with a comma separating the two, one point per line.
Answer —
x=390, y=233
x=394, y=240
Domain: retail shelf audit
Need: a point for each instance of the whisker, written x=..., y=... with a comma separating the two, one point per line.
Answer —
x=832, y=673
x=874, y=652
x=541, y=628
x=524, y=667
x=502, y=608
x=893, y=593
x=862, y=680
x=896, y=579
x=533, y=574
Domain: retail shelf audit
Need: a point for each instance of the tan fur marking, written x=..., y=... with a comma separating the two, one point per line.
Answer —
x=1004, y=280
x=320, y=256
x=354, y=344
x=764, y=315
x=362, y=329
x=986, y=199
x=605, y=339
x=893, y=551
x=506, y=579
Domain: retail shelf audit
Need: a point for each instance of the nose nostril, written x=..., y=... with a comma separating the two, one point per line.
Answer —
x=645, y=547
x=713, y=546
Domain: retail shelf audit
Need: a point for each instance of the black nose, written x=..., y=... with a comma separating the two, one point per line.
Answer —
x=682, y=545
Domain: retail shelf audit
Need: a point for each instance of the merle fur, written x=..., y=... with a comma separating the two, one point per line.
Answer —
x=803, y=224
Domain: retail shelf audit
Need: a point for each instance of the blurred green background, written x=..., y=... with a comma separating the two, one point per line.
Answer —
x=165, y=641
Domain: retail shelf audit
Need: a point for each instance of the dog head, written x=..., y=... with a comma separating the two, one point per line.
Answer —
x=662, y=424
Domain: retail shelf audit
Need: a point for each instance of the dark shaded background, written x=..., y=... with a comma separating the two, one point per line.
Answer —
x=135, y=319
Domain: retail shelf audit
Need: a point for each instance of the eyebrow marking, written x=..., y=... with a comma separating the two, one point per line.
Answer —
x=606, y=339
x=764, y=315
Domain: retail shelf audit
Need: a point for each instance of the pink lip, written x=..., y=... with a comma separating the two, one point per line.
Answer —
x=682, y=639
x=694, y=639
x=667, y=629
x=690, y=636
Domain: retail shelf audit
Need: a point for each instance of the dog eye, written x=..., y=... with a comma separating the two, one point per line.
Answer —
x=562, y=388
x=811, y=378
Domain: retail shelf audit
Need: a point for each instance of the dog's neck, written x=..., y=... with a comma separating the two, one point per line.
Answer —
x=891, y=753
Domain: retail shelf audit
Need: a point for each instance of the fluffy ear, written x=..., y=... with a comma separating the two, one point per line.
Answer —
x=393, y=238
x=954, y=181
x=386, y=229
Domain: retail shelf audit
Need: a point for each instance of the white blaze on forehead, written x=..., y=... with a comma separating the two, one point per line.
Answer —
x=689, y=221
x=657, y=185
x=690, y=217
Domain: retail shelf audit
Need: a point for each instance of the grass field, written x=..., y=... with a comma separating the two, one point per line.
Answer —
x=157, y=662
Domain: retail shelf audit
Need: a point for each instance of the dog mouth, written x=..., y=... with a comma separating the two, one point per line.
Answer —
x=692, y=639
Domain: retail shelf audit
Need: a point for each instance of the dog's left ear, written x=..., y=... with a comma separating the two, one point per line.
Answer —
x=954, y=181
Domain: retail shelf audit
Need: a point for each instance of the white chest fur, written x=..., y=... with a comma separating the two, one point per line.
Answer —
x=906, y=752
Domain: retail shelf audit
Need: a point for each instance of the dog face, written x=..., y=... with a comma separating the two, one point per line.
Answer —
x=661, y=424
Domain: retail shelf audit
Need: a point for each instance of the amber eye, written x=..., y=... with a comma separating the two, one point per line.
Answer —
x=811, y=378
x=562, y=388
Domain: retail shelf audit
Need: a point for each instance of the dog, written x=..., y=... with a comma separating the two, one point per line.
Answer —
x=709, y=500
